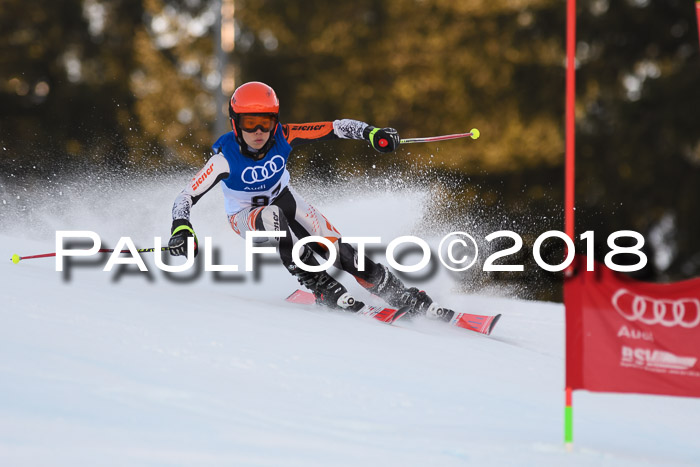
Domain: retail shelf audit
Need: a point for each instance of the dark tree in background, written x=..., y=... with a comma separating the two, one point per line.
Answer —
x=638, y=133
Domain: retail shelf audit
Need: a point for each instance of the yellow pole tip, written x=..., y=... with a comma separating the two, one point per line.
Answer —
x=475, y=133
x=15, y=259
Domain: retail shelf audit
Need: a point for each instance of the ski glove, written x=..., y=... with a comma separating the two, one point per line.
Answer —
x=382, y=139
x=178, y=241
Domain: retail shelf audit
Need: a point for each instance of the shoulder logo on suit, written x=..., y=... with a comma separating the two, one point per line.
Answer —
x=201, y=176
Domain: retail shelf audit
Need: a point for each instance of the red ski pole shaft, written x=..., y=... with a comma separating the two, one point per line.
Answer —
x=17, y=258
x=473, y=134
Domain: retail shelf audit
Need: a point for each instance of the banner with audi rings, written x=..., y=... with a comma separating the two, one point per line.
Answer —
x=624, y=335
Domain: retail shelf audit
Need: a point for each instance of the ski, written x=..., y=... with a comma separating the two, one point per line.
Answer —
x=383, y=314
x=482, y=324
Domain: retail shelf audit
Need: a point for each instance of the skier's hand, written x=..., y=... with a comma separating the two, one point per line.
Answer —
x=382, y=139
x=178, y=241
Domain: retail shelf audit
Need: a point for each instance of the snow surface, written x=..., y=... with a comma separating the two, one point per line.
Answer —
x=116, y=369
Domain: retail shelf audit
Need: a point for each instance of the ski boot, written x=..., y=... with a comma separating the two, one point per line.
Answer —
x=390, y=288
x=333, y=294
x=328, y=291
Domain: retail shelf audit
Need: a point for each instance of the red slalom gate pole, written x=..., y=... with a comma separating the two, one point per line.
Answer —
x=570, y=118
x=17, y=258
x=697, y=11
x=569, y=179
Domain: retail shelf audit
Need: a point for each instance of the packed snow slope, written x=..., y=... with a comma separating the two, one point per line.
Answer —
x=129, y=368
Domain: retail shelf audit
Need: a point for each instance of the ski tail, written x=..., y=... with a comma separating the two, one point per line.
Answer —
x=478, y=323
x=301, y=297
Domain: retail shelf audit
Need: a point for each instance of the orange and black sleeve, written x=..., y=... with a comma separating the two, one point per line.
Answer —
x=300, y=133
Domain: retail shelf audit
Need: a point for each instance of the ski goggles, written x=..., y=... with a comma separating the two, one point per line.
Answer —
x=251, y=122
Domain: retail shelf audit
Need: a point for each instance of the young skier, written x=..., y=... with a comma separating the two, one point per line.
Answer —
x=251, y=164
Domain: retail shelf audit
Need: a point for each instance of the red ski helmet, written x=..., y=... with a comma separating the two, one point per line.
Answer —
x=253, y=98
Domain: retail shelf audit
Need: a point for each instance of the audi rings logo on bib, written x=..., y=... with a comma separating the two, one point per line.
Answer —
x=684, y=312
x=263, y=172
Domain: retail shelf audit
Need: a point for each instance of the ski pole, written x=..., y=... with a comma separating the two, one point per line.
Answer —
x=17, y=258
x=473, y=134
